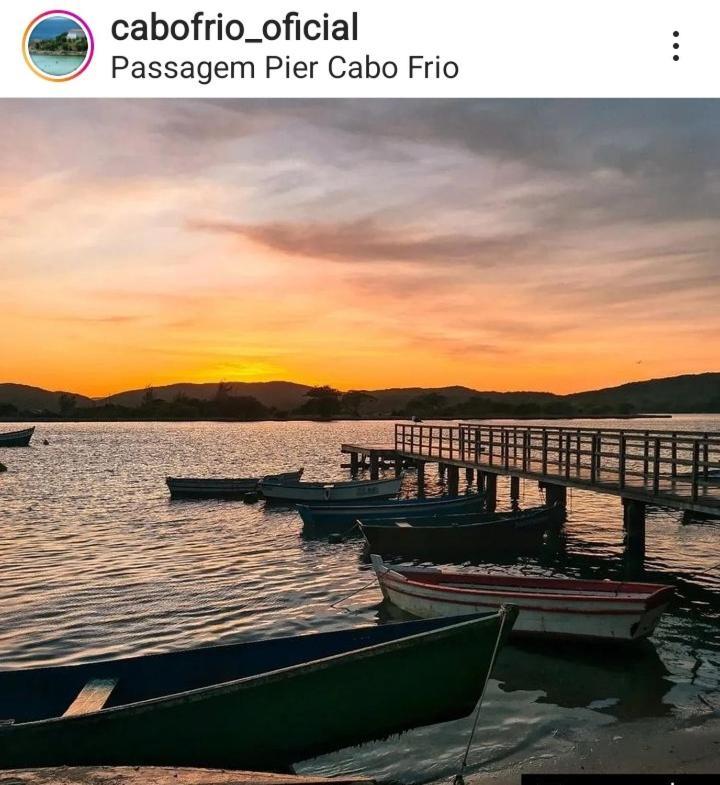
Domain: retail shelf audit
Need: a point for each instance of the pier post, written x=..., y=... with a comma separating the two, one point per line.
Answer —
x=491, y=492
x=634, y=526
x=481, y=481
x=421, y=479
x=374, y=467
x=398, y=466
x=453, y=476
x=354, y=464
x=514, y=491
x=555, y=495
x=469, y=476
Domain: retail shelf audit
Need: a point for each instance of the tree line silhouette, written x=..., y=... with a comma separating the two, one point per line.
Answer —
x=322, y=402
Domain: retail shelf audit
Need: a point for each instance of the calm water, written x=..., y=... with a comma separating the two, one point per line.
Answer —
x=96, y=561
x=56, y=65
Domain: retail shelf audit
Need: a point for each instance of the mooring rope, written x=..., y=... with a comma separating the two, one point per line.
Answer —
x=459, y=776
x=352, y=594
x=707, y=569
x=350, y=530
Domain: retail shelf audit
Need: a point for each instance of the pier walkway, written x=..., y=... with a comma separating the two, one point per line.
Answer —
x=673, y=469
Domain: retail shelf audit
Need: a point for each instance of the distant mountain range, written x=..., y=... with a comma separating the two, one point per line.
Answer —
x=31, y=399
x=276, y=395
x=687, y=393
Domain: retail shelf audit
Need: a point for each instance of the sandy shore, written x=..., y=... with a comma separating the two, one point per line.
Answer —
x=149, y=775
x=690, y=746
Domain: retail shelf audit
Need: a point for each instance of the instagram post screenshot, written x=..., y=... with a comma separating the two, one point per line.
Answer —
x=360, y=392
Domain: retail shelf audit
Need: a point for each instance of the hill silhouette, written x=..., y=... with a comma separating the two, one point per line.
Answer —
x=26, y=398
x=256, y=400
x=284, y=396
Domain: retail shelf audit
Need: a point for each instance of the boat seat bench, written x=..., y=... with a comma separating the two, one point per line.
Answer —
x=92, y=697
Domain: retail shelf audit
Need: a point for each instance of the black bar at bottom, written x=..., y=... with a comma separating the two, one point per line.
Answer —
x=618, y=779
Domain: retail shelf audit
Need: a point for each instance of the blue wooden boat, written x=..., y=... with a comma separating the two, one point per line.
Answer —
x=261, y=705
x=340, y=517
x=17, y=438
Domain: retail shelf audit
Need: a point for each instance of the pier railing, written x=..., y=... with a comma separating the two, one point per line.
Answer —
x=685, y=465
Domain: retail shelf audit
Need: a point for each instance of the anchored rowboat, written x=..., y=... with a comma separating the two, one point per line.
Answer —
x=16, y=438
x=459, y=537
x=339, y=516
x=329, y=492
x=221, y=487
x=554, y=607
x=259, y=705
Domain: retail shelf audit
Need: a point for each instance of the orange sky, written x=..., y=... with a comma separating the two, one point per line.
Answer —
x=502, y=245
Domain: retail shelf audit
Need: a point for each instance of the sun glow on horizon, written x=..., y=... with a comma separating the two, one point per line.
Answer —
x=364, y=245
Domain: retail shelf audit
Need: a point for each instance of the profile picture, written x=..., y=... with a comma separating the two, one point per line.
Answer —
x=58, y=45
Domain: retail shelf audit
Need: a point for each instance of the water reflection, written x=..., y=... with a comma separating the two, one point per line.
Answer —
x=626, y=682
x=97, y=562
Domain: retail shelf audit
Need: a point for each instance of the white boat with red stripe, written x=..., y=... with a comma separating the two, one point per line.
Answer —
x=549, y=607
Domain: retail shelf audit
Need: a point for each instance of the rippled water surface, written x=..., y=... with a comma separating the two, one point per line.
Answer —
x=96, y=561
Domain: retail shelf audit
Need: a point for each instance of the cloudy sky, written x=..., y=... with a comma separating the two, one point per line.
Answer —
x=551, y=245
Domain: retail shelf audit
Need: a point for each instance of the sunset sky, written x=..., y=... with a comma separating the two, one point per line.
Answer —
x=555, y=245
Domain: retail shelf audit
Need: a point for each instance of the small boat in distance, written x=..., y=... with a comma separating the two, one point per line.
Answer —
x=331, y=517
x=219, y=707
x=704, y=475
x=320, y=492
x=17, y=438
x=550, y=607
x=460, y=537
x=221, y=487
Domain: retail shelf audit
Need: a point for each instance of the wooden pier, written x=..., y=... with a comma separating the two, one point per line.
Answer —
x=674, y=469
x=374, y=456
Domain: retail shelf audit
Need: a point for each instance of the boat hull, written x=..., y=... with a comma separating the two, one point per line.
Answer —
x=423, y=539
x=17, y=438
x=332, y=492
x=220, y=487
x=191, y=488
x=607, y=619
x=339, y=517
x=288, y=714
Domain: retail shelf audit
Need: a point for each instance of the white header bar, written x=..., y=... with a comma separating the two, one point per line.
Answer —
x=454, y=48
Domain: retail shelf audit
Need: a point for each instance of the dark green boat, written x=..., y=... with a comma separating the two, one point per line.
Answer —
x=257, y=705
x=447, y=538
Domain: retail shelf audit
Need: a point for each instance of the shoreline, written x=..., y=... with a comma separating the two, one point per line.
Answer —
x=687, y=745
x=48, y=53
x=162, y=775
x=349, y=418
x=648, y=746
x=55, y=53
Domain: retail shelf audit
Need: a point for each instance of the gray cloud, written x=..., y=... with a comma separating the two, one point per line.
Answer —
x=367, y=241
x=575, y=203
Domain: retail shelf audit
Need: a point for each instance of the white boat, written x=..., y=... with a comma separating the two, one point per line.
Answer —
x=552, y=607
x=329, y=492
